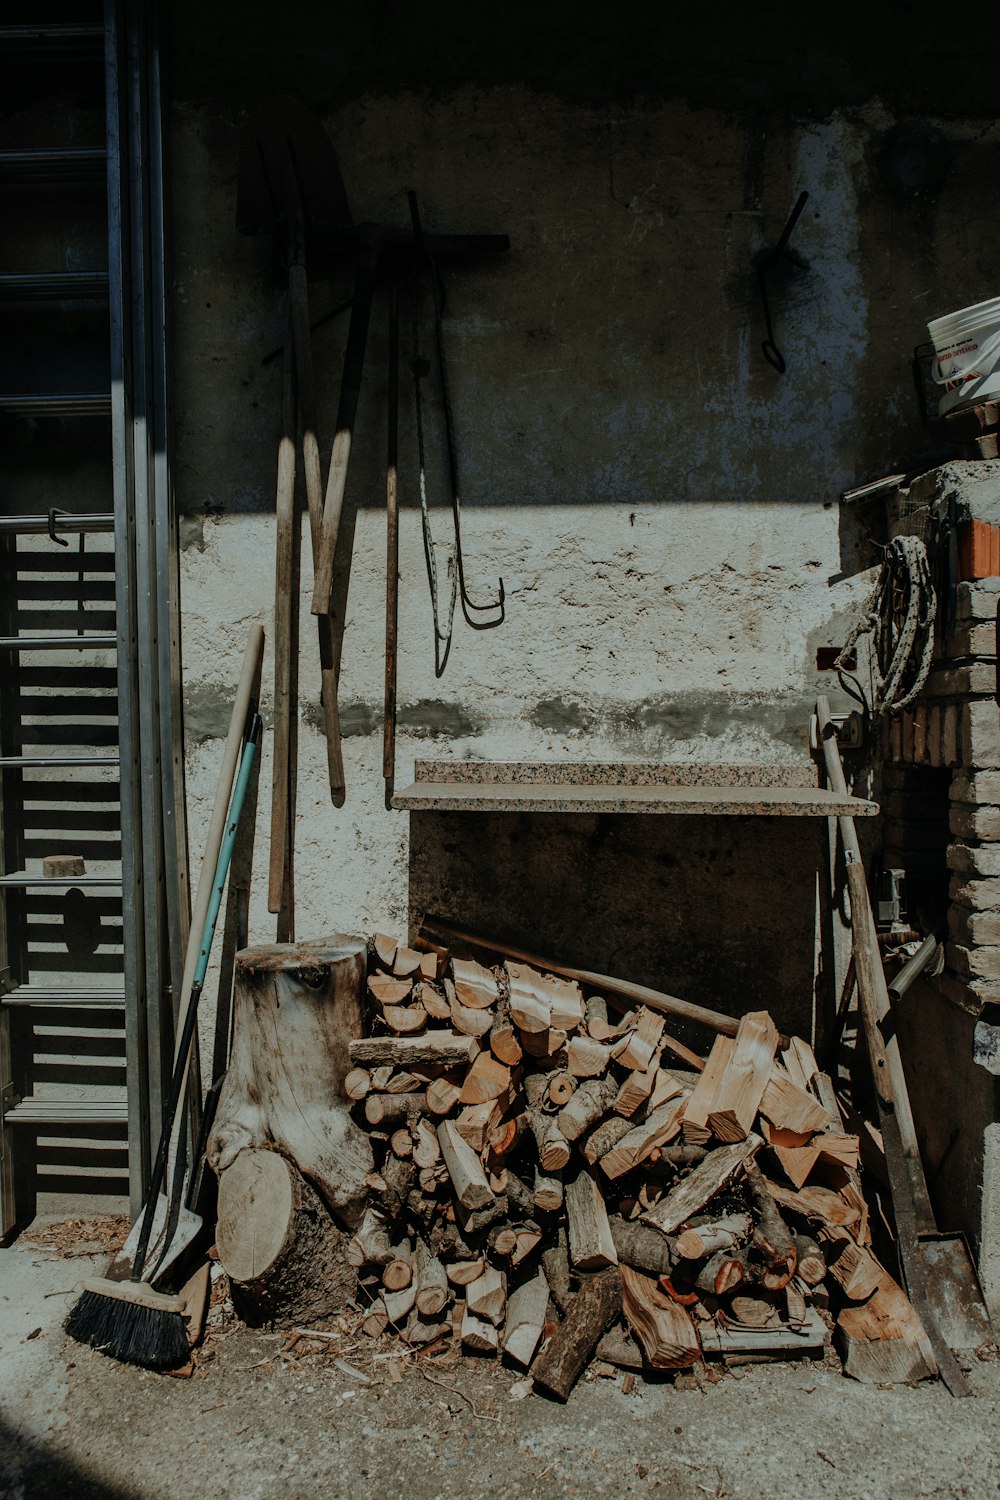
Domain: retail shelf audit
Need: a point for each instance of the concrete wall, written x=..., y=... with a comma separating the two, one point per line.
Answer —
x=661, y=505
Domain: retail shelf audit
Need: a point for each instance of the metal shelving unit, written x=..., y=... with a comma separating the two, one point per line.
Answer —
x=90, y=720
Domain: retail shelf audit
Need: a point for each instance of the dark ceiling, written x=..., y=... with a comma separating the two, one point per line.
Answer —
x=785, y=58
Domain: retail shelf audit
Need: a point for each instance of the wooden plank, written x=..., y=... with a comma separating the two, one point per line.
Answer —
x=779, y=1340
x=696, y=1110
x=464, y=1168
x=526, y=1308
x=700, y=801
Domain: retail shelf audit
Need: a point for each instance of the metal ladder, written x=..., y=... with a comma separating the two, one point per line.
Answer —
x=90, y=721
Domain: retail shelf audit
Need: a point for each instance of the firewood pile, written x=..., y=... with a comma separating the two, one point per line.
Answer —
x=556, y=1178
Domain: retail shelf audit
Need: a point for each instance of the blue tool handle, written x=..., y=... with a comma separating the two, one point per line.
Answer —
x=226, y=851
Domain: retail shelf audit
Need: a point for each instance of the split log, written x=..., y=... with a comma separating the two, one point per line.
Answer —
x=467, y=1019
x=530, y=1008
x=553, y=1147
x=399, y=1305
x=419, y=1333
x=383, y=1110
x=693, y=1192
x=370, y=1244
x=474, y=985
x=520, y=1196
x=642, y=1248
x=479, y=1335
x=635, y=1050
x=376, y=1320
x=404, y=1020
x=591, y=1246
x=432, y=1284
x=276, y=1242
x=434, y=1001
x=797, y=1154
x=665, y=1331
x=588, y=1316
x=635, y=1090
x=426, y=1148
x=591, y=1102
x=586, y=1058
x=475, y=1221
x=528, y=1240
x=565, y=1002
x=464, y=1168
x=486, y=1079
x=504, y=1043
x=403, y=1082
x=526, y=1308
x=817, y=1203
x=462, y=1272
x=882, y=1341
x=385, y=990
x=737, y=1099
x=548, y=1194
x=406, y=963
x=357, y=1083
x=442, y=1095
x=296, y=1008
x=696, y=1242
x=856, y=1271
x=662, y=1124
x=486, y=1297
x=838, y=1149
x=790, y=1107
x=666, y=1085
x=440, y=955
x=443, y=1048
x=384, y=948
x=605, y=1137
x=475, y=1122
x=549, y=1045
x=702, y=1100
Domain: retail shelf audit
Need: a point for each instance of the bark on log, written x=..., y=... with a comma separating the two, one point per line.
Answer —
x=296, y=1008
x=277, y=1242
x=588, y=1317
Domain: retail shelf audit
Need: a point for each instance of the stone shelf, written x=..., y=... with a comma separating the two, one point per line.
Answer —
x=602, y=787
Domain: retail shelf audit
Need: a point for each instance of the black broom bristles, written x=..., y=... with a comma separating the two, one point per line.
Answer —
x=153, y=1337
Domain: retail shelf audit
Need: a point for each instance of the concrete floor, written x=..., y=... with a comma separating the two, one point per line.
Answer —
x=250, y=1423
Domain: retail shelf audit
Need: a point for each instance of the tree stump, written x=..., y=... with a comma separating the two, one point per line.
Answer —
x=297, y=1006
x=277, y=1243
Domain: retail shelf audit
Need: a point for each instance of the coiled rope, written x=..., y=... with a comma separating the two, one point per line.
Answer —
x=899, y=617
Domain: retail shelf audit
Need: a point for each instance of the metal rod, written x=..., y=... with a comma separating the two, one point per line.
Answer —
x=914, y=967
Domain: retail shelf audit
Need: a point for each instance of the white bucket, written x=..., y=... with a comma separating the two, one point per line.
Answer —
x=967, y=354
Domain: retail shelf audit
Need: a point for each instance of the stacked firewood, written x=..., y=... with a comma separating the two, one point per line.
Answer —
x=553, y=1179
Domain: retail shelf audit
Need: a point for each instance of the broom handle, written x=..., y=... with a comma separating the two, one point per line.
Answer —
x=186, y=1037
x=246, y=692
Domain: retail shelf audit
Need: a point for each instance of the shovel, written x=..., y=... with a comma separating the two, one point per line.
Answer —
x=290, y=187
x=938, y=1268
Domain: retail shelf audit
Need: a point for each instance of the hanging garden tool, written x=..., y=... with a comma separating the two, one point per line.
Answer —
x=425, y=265
x=290, y=187
x=764, y=262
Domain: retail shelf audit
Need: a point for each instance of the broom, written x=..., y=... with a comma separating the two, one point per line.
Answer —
x=130, y=1320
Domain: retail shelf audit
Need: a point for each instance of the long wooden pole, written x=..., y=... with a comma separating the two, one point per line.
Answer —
x=283, y=643
x=667, y=1005
x=391, y=548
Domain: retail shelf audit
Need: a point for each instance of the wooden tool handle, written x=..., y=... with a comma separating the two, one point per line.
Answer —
x=347, y=410
x=391, y=548
x=873, y=993
x=283, y=644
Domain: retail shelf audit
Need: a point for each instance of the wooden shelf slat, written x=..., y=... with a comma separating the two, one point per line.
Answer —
x=714, y=801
